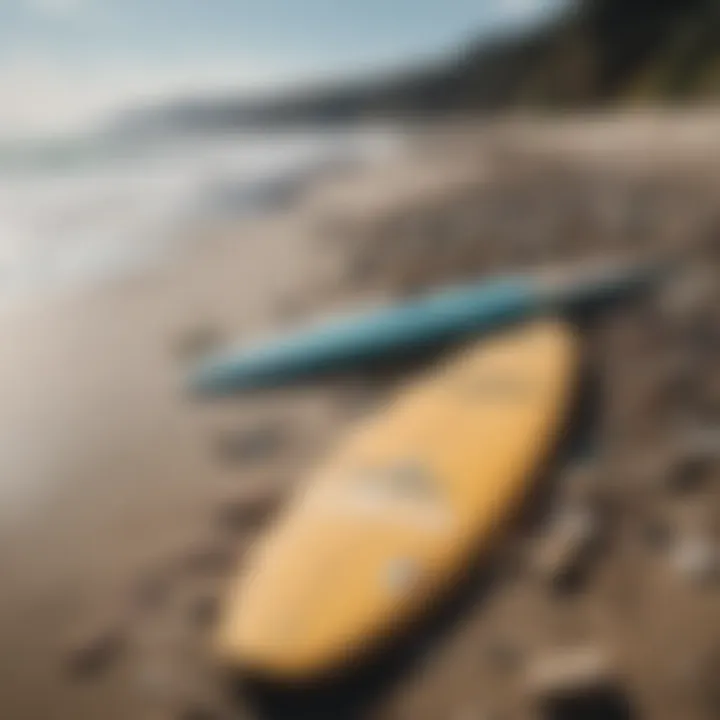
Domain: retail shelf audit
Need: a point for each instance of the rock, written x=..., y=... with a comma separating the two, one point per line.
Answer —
x=694, y=455
x=210, y=559
x=696, y=558
x=97, y=648
x=703, y=443
x=688, y=473
x=606, y=703
x=569, y=669
x=203, y=609
x=677, y=465
x=258, y=444
x=577, y=683
x=247, y=510
x=565, y=554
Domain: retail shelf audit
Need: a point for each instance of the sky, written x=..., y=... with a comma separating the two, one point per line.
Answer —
x=65, y=63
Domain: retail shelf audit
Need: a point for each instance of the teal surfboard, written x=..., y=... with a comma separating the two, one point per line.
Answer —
x=355, y=341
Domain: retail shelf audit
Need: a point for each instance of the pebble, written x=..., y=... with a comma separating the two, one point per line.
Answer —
x=564, y=555
x=211, y=559
x=97, y=648
x=697, y=559
x=695, y=453
x=204, y=609
x=569, y=670
x=248, y=510
x=258, y=444
x=703, y=443
x=578, y=683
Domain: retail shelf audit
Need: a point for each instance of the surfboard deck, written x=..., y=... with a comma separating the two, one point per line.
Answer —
x=451, y=315
x=390, y=522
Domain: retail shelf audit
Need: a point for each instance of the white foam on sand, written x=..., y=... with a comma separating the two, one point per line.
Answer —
x=78, y=215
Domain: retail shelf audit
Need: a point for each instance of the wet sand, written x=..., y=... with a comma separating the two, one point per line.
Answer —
x=116, y=489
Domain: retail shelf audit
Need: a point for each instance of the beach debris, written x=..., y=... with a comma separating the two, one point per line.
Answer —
x=260, y=443
x=97, y=647
x=575, y=683
x=564, y=556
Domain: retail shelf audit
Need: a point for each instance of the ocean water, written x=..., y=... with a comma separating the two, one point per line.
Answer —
x=78, y=211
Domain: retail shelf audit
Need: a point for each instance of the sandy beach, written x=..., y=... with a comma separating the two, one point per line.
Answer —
x=125, y=504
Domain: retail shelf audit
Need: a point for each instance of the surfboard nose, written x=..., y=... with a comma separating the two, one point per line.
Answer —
x=596, y=283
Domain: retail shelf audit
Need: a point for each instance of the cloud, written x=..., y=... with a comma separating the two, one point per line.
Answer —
x=523, y=9
x=58, y=8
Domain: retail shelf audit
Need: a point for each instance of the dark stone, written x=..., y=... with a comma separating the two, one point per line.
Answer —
x=96, y=652
x=152, y=591
x=204, y=610
x=209, y=560
x=246, y=512
x=689, y=473
x=251, y=446
x=602, y=703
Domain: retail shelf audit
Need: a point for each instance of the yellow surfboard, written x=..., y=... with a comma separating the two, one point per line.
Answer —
x=391, y=521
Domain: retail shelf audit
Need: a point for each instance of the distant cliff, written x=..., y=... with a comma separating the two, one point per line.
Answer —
x=598, y=53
